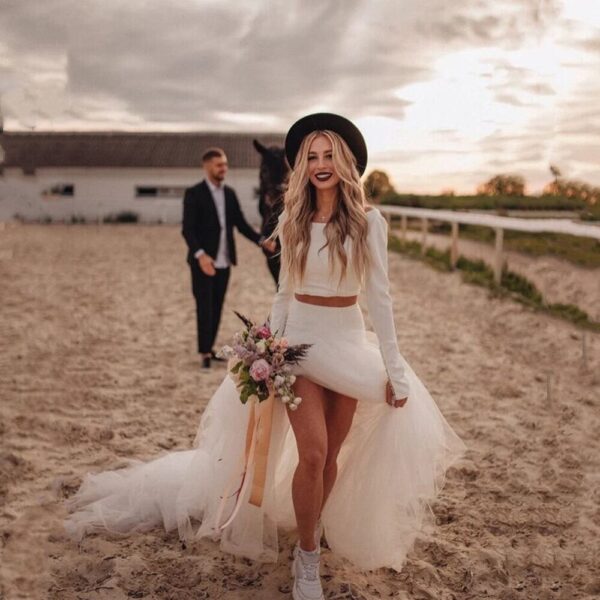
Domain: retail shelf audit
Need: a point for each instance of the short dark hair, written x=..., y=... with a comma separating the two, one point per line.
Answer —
x=212, y=153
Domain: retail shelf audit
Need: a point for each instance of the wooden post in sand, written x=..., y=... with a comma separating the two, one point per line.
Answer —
x=498, y=255
x=404, y=227
x=424, y=228
x=548, y=389
x=454, y=245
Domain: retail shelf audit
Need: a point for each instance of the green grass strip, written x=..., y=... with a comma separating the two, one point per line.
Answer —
x=512, y=284
x=581, y=251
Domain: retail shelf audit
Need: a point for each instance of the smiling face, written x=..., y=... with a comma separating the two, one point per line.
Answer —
x=321, y=170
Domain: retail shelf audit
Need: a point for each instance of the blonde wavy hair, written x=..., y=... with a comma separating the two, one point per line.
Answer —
x=348, y=218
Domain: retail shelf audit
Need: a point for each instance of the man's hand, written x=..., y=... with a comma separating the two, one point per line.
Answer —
x=206, y=263
x=389, y=397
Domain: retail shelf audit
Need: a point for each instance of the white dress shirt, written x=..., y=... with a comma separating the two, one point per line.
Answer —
x=222, y=259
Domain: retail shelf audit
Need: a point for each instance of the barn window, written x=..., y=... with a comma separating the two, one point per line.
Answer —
x=164, y=191
x=146, y=192
x=60, y=189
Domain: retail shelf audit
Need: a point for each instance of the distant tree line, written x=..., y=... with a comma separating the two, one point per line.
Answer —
x=504, y=190
x=570, y=188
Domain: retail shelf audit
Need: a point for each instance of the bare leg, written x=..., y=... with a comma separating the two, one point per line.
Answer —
x=308, y=424
x=339, y=413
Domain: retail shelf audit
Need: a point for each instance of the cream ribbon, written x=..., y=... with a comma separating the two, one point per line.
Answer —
x=256, y=453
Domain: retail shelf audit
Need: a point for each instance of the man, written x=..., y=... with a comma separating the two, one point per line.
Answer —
x=210, y=211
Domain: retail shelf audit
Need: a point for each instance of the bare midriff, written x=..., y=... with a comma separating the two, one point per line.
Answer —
x=327, y=300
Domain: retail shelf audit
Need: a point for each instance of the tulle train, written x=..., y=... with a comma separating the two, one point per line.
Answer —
x=391, y=466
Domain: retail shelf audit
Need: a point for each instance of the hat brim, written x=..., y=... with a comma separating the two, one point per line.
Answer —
x=320, y=121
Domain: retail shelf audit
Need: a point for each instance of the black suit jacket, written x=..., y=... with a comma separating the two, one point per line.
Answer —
x=201, y=227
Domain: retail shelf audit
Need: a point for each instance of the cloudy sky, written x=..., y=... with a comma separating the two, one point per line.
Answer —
x=447, y=94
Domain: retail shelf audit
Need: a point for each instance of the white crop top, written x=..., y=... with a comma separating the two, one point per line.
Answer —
x=319, y=282
x=317, y=279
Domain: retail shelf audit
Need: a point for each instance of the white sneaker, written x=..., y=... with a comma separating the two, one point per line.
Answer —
x=305, y=570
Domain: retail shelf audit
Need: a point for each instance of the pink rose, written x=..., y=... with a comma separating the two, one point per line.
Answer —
x=260, y=370
x=264, y=332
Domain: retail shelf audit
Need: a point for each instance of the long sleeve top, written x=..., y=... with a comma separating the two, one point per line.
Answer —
x=376, y=287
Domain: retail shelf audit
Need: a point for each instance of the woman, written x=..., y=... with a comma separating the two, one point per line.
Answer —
x=366, y=451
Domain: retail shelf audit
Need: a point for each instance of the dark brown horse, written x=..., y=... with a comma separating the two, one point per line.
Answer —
x=273, y=176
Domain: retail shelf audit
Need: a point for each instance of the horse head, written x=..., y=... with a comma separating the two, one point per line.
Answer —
x=273, y=175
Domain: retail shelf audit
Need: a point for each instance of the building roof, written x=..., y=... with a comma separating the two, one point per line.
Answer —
x=30, y=150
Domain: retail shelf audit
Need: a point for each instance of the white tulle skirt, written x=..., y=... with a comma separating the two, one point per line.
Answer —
x=390, y=468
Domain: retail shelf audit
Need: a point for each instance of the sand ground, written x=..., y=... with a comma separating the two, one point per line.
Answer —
x=97, y=364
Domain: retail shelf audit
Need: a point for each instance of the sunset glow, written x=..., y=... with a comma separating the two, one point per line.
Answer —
x=446, y=96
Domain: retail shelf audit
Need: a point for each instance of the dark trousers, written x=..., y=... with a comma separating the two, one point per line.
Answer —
x=209, y=293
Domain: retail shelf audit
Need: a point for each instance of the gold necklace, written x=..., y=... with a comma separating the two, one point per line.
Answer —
x=323, y=219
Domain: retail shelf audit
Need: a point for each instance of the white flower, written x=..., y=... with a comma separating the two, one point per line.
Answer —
x=261, y=347
x=297, y=400
x=285, y=398
x=226, y=352
x=291, y=379
x=278, y=381
x=293, y=406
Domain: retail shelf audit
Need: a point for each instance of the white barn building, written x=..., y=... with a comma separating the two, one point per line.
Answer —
x=62, y=176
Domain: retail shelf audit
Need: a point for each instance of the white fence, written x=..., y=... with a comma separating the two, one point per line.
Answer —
x=499, y=224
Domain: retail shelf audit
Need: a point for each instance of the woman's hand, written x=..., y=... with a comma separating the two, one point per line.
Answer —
x=389, y=397
x=270, y=246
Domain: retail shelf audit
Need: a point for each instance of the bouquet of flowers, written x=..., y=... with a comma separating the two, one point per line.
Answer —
x=261, y=363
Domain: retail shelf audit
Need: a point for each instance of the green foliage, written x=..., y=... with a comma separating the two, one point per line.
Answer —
x=480, y=273
x=483, y=202
x=248, y=390
x=505, y=184
x=125, y=216
x=570, y=312
x=237, y=367
x=377, y=184
x=572, y=188
x=409, y=247
x=476, y=272
x=439, y=259
x=582, y=251
x=521, y=286
x=591, y=213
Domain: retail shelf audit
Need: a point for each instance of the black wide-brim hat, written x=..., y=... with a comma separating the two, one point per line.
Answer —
x=320, y=121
